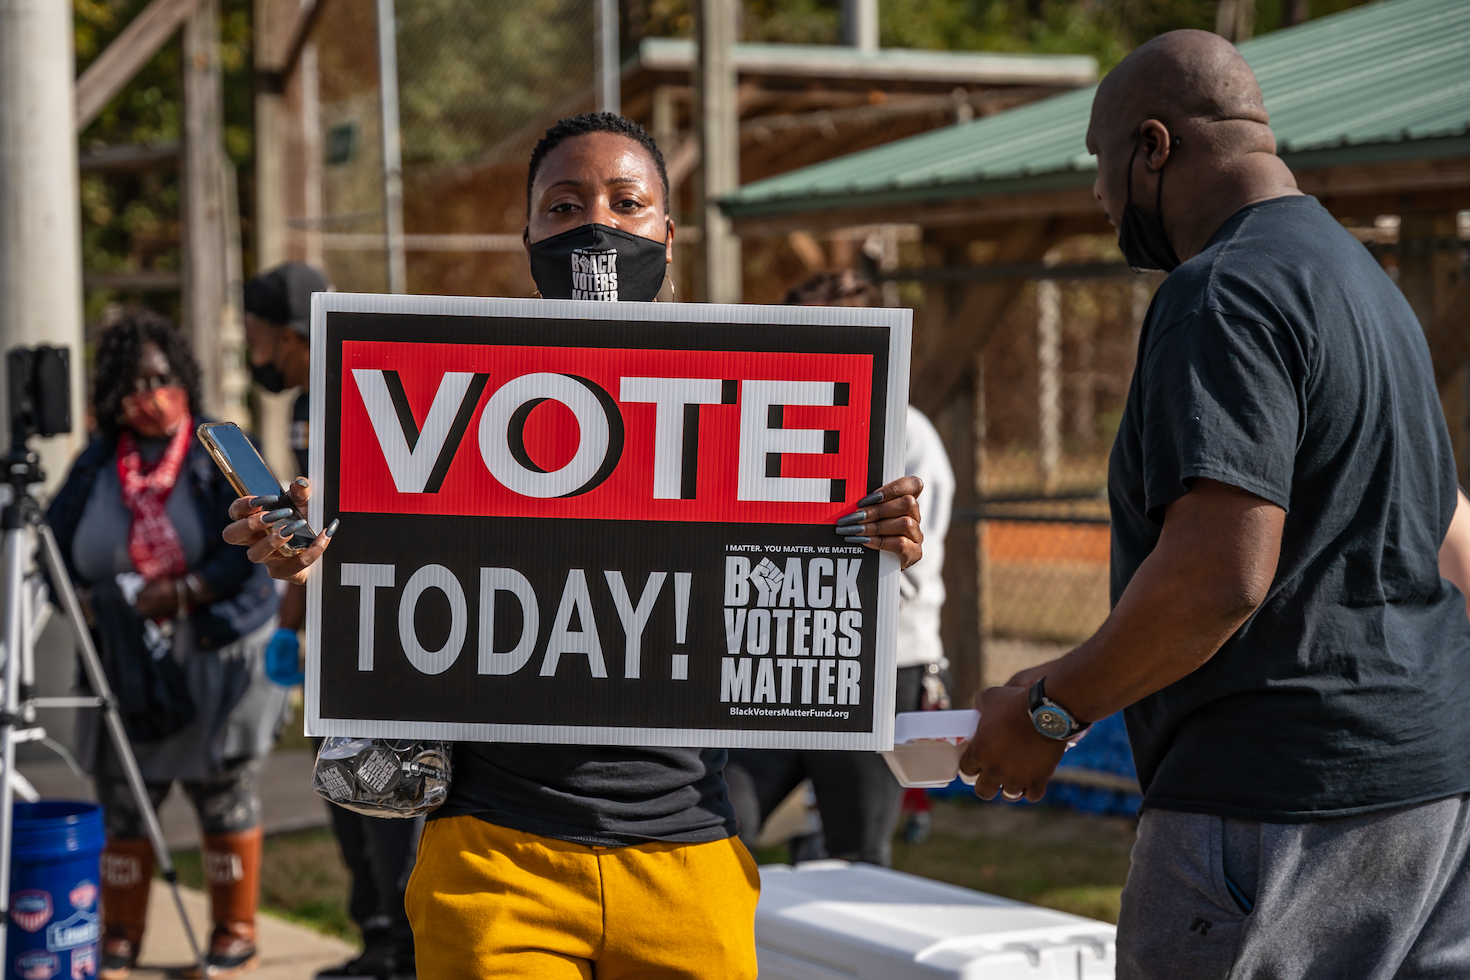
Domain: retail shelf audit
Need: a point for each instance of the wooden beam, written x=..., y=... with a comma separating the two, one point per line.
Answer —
x=127, y=281
x=1394, y=176
x=993, y=209
x=273, y=79
x=947, y=361
x=1423, y=185
x=129, y=158
x=127, y=54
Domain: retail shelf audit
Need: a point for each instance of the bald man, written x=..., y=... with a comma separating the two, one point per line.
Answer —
x=1295, y=671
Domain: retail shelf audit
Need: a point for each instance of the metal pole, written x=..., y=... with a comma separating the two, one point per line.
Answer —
x=40, y=217
x=392, y=148
x=609, y=58
x=860, y=24
x=97, y=680
x=719, y=129
x=15, y=571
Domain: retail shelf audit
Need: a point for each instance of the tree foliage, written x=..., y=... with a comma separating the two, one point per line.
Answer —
x=130, y=221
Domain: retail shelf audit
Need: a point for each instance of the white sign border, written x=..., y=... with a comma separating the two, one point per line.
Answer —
x=899, y=322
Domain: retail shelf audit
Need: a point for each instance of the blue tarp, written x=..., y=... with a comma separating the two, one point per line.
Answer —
x=1105, y=749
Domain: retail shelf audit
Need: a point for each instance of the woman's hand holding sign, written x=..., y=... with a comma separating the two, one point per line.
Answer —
x=888, y=520
x=265, y=524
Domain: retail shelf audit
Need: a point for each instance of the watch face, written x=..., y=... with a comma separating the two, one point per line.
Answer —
x=1051, y=722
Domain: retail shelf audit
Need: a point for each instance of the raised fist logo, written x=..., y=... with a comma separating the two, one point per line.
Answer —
x=767, y=578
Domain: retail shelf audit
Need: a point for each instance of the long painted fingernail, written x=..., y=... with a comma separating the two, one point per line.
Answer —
x=291, y=529
x=331, y=528
x=272, y=516
x=302, y=482
x=875, y=497
x=857, y=539
x=264, y=501
x=857, y=517
x=849, y=528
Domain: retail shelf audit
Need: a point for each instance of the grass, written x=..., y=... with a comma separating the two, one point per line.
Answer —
x=1047, y=856
x=1051, y=857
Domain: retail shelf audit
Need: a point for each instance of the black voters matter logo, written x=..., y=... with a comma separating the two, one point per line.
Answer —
x=595, y=274
x=792, y=631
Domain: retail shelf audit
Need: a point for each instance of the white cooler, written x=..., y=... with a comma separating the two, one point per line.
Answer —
x=831, y=920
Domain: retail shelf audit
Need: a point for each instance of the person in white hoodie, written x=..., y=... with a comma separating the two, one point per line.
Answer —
x=857, y=796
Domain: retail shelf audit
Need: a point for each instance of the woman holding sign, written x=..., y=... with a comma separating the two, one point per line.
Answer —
x=553, y=861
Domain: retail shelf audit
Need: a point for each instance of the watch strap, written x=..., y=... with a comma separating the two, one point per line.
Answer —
x=1037, y=698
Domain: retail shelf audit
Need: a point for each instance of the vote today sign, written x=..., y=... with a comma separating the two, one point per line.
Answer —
x=575, y=521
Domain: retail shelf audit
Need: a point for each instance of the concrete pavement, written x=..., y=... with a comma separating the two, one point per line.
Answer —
x=287, y=951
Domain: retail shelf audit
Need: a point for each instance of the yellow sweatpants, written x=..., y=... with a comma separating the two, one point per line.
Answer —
x=489, y=903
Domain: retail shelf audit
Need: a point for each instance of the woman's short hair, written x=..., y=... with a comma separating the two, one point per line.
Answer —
x=830, y=288
x=595, y=122
x=115, y=361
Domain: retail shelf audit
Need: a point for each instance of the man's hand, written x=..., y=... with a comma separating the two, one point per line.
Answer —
x=1007, y=754
x=264, y=524
x=888, y=520
x=1025, y=678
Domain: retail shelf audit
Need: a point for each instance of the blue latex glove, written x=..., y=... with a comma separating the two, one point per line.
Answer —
x=283, y=659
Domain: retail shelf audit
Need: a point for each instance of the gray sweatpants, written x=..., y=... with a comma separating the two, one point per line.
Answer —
x=1374, y=897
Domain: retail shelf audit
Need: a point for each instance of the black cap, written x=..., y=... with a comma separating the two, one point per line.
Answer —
x=283, y=295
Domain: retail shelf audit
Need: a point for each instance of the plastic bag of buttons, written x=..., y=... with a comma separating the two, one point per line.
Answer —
x=383, y=777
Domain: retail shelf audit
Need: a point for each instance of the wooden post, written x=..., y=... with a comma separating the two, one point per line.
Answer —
x=955, y=420
x=1430, y=276
x=1235, y=20
x=666, y=135
x=272, y=411
x=718, y=125
x=204, y=203
x=1049, y=381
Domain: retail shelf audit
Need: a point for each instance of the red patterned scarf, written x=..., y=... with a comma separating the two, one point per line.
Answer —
x=153, y=542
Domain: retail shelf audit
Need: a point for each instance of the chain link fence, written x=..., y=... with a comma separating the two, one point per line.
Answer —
x=478, y=83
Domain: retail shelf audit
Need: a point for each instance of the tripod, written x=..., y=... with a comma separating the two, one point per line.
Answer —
x=24, y=594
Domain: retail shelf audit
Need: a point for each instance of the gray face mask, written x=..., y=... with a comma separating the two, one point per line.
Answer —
x=1142, y=238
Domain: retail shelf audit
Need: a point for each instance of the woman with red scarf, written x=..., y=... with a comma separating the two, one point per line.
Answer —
x=181, y=621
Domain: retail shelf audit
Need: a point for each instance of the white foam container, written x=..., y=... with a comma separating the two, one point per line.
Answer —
x=927, y=746
x=831, y=920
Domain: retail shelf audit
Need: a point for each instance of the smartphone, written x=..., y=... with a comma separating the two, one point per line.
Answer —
x=249, y=474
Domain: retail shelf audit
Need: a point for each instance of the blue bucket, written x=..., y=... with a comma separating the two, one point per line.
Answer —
x=53, y=928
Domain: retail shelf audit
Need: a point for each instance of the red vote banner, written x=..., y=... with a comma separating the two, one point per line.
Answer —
x=702, y=420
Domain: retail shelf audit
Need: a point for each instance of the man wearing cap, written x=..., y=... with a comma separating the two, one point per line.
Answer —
x=379, y=853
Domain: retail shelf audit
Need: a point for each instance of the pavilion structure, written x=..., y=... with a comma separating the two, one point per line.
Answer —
x=1371, y=109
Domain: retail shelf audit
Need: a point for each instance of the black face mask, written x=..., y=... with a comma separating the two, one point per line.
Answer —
x=598, y=262
x=1141, y=236
x=268, y=376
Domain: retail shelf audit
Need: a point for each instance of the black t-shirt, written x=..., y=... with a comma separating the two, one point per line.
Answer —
x=301, y=431
x=1282, y=360
x=607, y=795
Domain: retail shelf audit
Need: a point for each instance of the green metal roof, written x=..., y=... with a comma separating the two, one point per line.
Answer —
x=1388, y=80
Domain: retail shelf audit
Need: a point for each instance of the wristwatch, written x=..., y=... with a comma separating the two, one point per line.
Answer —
x=1050, y=718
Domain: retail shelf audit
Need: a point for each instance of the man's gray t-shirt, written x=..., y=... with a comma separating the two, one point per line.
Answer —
x=1284, y=361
